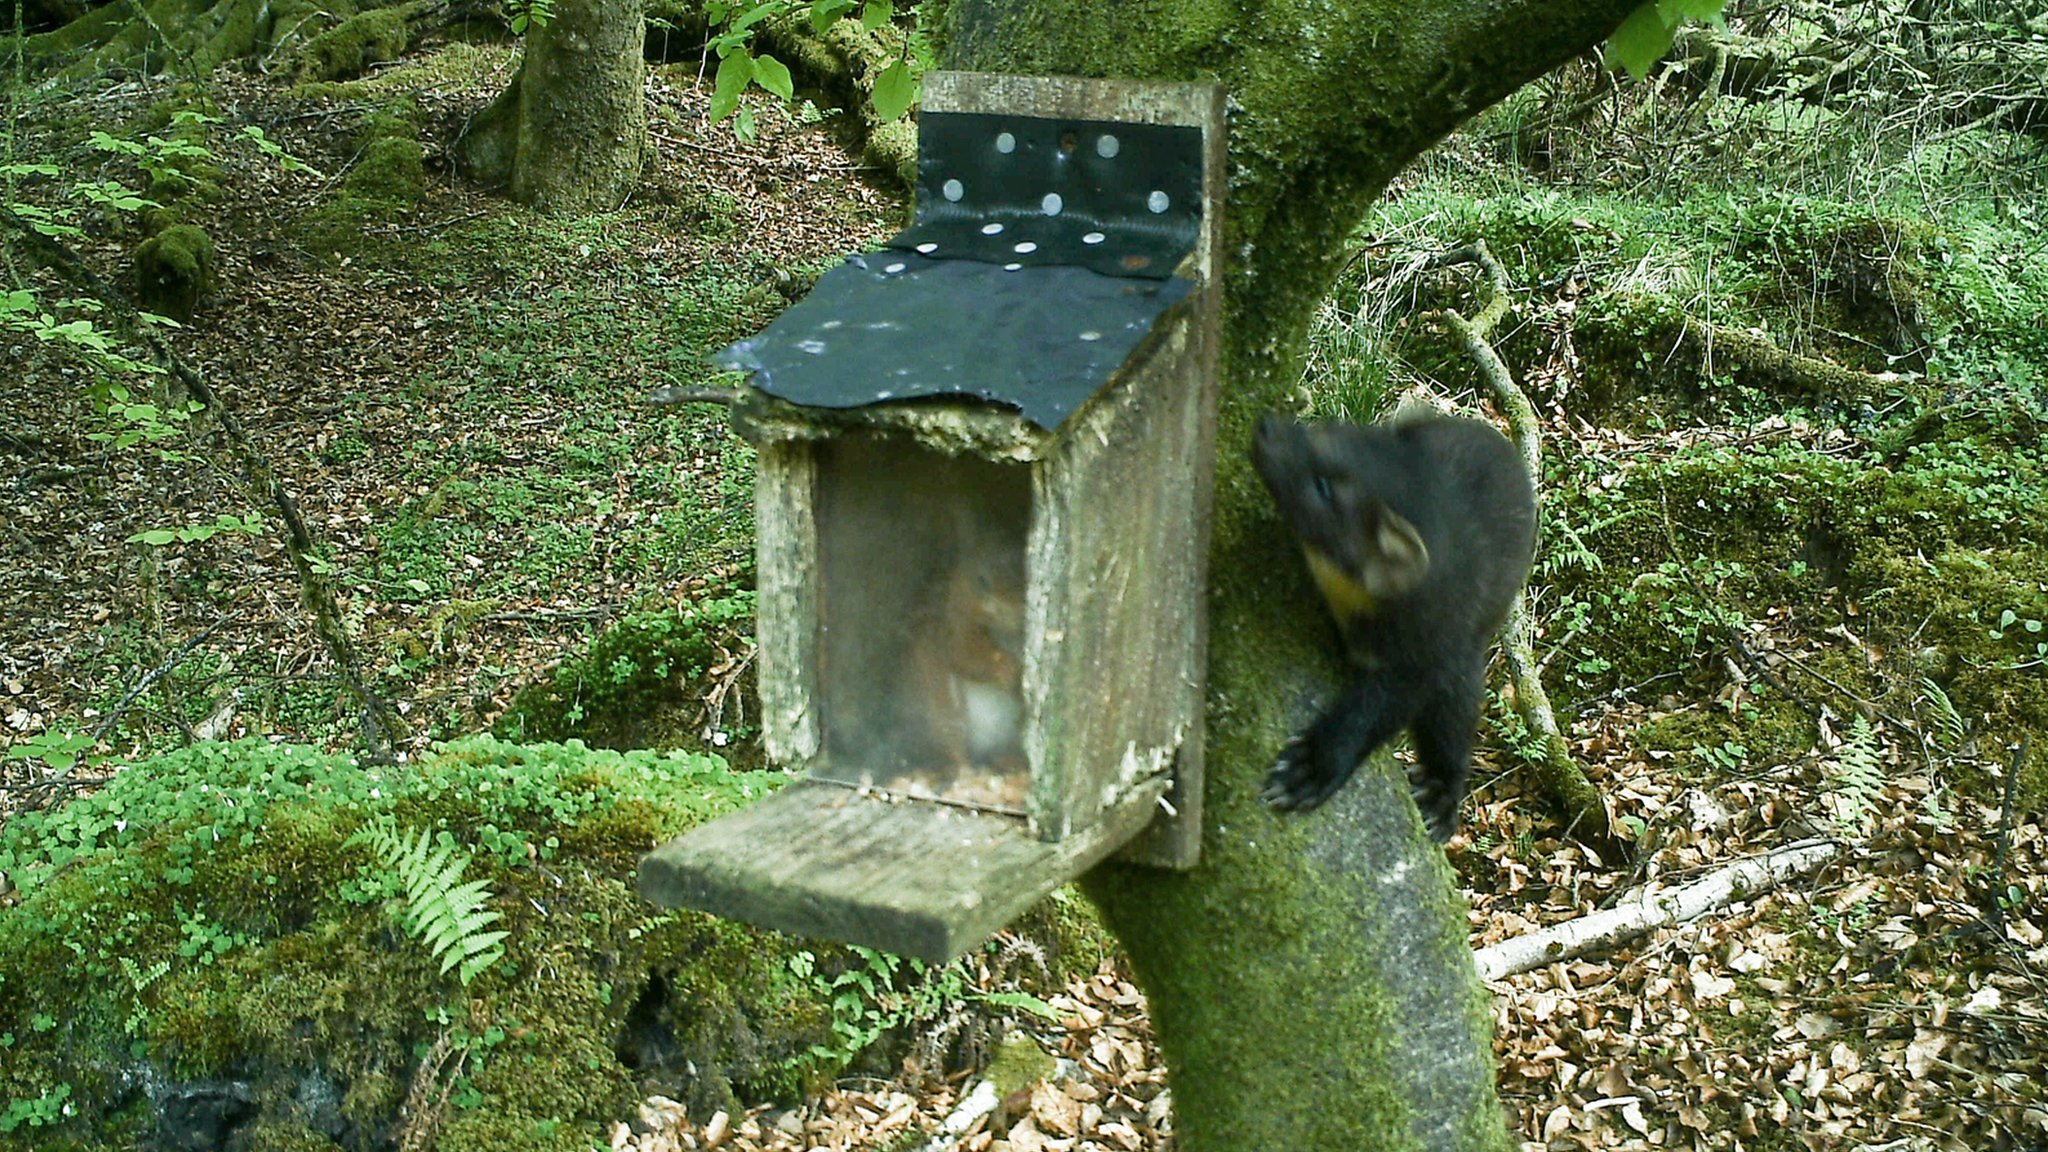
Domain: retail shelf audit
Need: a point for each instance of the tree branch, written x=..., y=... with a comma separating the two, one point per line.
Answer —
x=1581, y=805
x=1644, y=910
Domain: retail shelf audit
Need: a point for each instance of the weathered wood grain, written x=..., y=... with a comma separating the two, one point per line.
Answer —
x=909, y=877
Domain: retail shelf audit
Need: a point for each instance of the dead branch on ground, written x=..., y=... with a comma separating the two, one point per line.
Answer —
x=1644, y=910
x=1581, y=805
x=381, y=726
x=1718, y=347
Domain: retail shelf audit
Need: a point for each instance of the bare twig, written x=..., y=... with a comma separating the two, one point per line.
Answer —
x=431, y=226
x=380, y=723
x=2012, y=777
x=672, y=394
x=155, y=674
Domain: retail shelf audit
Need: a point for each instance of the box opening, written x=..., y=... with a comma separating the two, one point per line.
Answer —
x=921, y=621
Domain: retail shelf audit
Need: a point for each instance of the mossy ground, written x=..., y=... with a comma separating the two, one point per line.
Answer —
x=1903, y=523
x=209, y=917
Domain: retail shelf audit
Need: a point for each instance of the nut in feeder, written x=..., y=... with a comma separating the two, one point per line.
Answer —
x=982, y=497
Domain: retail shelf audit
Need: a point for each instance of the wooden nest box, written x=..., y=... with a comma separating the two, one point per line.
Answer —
x=985, y=460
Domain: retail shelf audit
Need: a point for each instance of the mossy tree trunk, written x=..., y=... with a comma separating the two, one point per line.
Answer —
x=1310, y=980
x=570, y=132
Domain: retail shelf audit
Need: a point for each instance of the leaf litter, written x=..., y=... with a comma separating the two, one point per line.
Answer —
x=1895, y=1001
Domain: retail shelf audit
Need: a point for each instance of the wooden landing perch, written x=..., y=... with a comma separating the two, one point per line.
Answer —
x=916, y=879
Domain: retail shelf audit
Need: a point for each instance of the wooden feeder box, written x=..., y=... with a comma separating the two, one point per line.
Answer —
x=985, y=458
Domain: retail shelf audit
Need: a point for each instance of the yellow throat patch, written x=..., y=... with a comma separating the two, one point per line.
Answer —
x=1347, y=598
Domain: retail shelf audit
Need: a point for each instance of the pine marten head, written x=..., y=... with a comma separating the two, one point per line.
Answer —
x=1336, y=484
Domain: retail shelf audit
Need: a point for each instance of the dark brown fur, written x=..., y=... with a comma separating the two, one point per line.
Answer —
x=1419, y=532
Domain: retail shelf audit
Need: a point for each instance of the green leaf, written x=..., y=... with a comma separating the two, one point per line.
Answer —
x=734, y=72
x=157, y=536
x=773, y=75
x=895, y=88
x=873, y=15
x=1676, y=12
x=1641, y=40
x=825, y=12
x=755, y=15
x=102, y=142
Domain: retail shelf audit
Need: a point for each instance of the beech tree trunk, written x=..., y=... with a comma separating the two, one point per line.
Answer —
x=1310, y=981
x=570, y=132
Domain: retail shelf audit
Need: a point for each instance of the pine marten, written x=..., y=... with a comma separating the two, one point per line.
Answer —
x=1419, y=533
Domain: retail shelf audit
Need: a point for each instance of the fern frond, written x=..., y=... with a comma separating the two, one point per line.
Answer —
x=440, y=910
x=1948, y=723
x=1855, y=776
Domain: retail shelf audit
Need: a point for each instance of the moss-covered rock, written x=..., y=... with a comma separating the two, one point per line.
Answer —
x=349, y=48
x=174, y=270
x=388, y=178
x=207, y=944
x=391, y=172
x=641, y=682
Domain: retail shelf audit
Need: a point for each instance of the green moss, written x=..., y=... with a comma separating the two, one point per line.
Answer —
x=400, y=117
x=1071, y=932
x=1708, y=741
x=450, y=65
x=1925, y=544
x=391, y=171
x=388, y=178
x=1952, y=608
x=352, y=46
x=1018, y=1064
x=202, y=34
x=173, y=270
x=93, y=28
x=635, y=685
x=208, y=916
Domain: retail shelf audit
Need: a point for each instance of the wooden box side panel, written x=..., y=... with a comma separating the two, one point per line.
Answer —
x=786, y=608
x=1117, y=672
x=1189, y=381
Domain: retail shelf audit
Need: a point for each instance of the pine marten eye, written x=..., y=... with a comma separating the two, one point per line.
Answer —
x=1322, y=488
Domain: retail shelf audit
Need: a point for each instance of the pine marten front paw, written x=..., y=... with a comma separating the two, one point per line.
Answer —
x=1439, y=810
x=1302, y=778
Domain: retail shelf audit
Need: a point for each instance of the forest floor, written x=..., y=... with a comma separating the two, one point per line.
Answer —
x=457, y=398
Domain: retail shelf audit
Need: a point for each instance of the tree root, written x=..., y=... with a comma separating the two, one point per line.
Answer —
x=845, y=62
x=296, y=36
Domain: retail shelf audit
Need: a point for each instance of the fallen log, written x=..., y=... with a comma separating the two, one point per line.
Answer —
x=1644, y=910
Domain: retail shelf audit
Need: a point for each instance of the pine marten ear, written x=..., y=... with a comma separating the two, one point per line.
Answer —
x=1395, y=558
